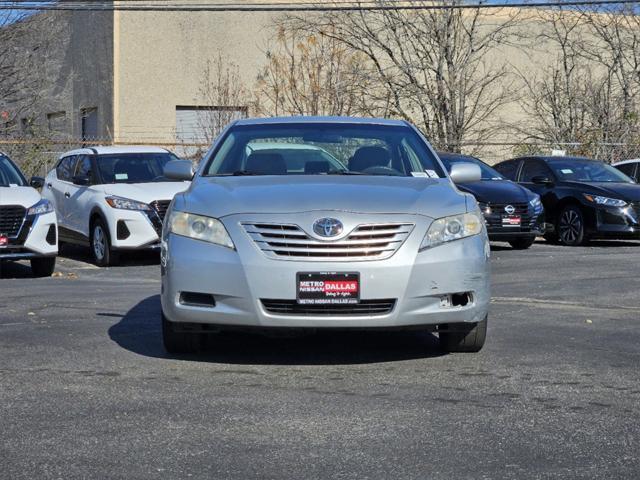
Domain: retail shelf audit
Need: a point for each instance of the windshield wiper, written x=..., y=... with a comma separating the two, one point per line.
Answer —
x=343, y=172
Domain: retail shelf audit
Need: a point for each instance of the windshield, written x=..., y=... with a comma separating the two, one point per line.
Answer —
x=133, y=167
x=587, y=171
x=9, y=174
x=323, y=149
x=488, y=173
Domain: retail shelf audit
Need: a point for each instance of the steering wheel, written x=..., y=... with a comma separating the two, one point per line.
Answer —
x=382, y=170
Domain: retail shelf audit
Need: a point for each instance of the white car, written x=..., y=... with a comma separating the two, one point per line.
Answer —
x=631, y=168
x=112, y=198
x=27, y=221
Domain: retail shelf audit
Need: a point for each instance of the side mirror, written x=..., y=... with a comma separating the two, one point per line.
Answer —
x=465, y=173
x=81, y=180
x=37, y=182
x=178, y=170
x=541, y=180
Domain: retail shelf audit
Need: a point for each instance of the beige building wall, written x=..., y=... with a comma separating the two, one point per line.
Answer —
x=160, y=59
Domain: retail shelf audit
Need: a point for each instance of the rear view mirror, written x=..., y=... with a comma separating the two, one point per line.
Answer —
x=178, y=170
x=465, y=173
x=541, y=180
x=37, y=182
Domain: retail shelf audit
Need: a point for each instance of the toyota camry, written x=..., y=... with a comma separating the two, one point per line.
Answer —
x=363, y=229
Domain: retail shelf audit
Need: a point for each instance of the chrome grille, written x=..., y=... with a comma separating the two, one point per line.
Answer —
x=11, y=217
x=365, y=242
x=161, y=206
x=365, y=307
x=493, y=213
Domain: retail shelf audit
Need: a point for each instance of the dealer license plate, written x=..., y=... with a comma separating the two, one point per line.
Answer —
x=330, y=288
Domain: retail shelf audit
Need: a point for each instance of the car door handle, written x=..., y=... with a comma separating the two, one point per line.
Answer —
x=67, y=194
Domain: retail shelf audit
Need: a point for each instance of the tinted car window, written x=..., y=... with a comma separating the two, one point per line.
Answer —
x=364, y=150
x=578, y=170
x=628, y=169
x=133, y=167
x=508, y=169
x=84, y=166
x=65, y=169
x=9, y=174
x=534, y=168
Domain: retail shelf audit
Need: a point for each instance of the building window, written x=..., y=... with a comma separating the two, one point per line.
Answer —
x=57, y=122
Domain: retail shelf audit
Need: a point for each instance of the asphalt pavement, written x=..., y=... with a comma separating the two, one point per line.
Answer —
x=87, y=391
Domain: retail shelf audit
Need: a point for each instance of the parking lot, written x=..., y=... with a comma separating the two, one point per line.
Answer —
x=88, y=392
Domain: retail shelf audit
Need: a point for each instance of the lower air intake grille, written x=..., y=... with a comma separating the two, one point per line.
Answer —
x=365, y=307
x=11, y=217
x=161, y=206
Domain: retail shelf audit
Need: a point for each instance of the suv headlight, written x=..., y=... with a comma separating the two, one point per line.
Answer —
x=452, y=228
x=199, y=227
x=126, y=203
x=609, y=202
x=40, y=208
x=536, y=203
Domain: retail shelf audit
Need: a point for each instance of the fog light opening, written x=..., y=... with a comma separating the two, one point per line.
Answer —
x=196, y=299
x=461, y=299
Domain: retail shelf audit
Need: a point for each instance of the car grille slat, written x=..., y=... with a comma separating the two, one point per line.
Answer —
x=161, y=206
x=11, y=218
x=365, y=307
x=282, y=241
x=493, y=219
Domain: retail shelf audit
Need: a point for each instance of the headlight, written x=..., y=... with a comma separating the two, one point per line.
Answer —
x=40, y=208
x=536, y=203
x=609, y=202
x=126, y=203
x=452, y=228
x=199, y=227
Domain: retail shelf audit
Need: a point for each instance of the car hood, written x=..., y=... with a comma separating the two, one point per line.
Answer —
x=23, y=196
x=497, y=191
x=629, y=192
x=145, y=192
x=222, y=196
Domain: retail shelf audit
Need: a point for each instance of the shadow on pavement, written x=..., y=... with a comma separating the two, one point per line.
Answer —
x=133, y=258
x=139, y=331
x=15, y=270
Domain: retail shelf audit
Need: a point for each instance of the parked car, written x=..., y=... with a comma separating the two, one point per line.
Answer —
x=27, y=221
x=111, y=198
x=512, y=213
x=386, y=241
x=630, y=168
x=583, y=198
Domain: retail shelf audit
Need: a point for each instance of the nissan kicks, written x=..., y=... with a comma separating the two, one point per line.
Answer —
x=380, y=240
x=111, y=198
x=27, y=221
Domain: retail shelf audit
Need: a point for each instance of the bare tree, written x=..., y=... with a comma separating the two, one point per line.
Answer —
x=307, y=73
x=224, y=95
x=433, y=64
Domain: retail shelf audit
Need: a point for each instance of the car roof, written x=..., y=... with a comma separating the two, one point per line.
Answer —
x=624, y=162
x=315, y=120
x=107, y=150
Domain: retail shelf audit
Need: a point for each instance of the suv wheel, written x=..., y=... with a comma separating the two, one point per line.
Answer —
x=470, y=339
x=570, y=226
x=522, y=243
x=178, y=342
x=100, y=241
x=43, y=267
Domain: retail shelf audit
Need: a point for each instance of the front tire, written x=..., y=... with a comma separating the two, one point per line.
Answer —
x=43, y=267
x=522, y=243
x=179, y=342
x=100, y=243
x=471, y=338
x=570, y=226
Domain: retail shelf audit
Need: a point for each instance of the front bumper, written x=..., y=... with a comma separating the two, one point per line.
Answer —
x=133, y=229
x=38, y=237
x=239, y=280
x=615, y=222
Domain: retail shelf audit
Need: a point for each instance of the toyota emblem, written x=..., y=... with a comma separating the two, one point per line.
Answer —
x=327, y=227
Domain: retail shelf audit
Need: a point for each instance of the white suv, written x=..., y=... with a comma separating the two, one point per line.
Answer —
x=112, y=198
x=27, y=221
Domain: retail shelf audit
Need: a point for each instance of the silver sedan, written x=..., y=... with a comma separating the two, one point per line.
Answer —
x=270, y=239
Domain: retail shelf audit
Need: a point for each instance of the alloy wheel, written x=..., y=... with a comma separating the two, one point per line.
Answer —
x=99, y=242
x=570, y=226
